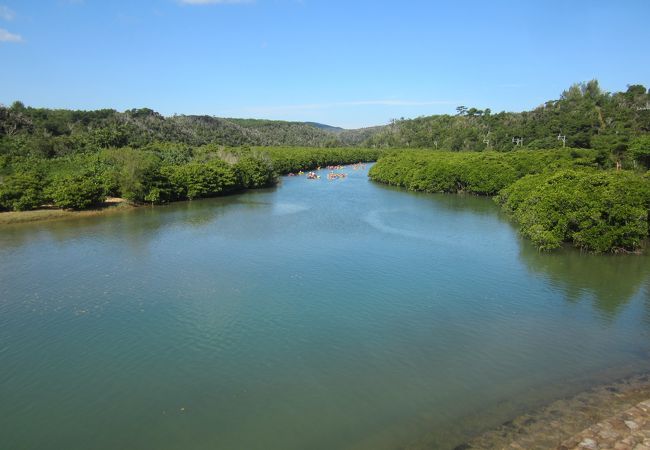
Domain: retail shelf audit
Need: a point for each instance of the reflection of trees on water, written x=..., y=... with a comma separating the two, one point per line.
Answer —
x=134, y=228
x=612, y=280
x=475, y=204
x=647, y=302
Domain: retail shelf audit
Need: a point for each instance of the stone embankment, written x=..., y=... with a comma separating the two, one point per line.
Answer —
x=620, y=410
x=629, y=430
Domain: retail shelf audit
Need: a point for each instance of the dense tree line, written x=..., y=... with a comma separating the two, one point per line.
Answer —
x=583, y=117
x=593, y=209
x=483, y=173
x=556, y=196
x=155, y=173
x=288, y=159
x=48, y=133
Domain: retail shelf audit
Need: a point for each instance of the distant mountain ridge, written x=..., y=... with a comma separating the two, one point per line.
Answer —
x=584, y=117
x=138, y=127
x=325, y=127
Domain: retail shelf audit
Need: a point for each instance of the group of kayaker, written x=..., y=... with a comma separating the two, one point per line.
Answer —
x=336, y=175
x=331, y=175
x=301, y=173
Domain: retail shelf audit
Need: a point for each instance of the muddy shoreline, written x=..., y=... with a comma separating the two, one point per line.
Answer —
x=111, y=205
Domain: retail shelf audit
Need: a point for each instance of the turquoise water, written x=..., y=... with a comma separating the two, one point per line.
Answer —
x=317, y=315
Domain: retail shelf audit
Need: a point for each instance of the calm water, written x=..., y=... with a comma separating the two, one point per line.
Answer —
x=318, y=315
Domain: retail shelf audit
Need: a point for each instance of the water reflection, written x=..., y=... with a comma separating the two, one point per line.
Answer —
x=316, y=306
x=134, y=227
x=647, y=303
x=454, y=203
x=610, y=280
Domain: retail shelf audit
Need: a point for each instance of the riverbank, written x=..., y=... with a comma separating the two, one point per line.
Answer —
x=629, y=430
x=566, y=421
x=109, y=206
x=554, y=196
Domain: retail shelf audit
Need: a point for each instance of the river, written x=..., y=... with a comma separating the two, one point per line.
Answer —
x=316, y=315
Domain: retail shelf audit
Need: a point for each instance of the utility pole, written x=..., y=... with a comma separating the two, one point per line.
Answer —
x=562, y=137
x=486, y=140
x=518, y=141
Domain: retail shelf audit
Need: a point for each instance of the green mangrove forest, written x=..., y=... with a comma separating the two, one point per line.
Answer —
x=556, y=196
x=573, y=170
x=156, y=173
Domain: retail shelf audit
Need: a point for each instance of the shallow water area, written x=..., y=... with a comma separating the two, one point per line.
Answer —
x=319, y=314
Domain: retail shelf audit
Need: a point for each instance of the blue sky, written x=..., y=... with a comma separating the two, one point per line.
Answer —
x=345, y=63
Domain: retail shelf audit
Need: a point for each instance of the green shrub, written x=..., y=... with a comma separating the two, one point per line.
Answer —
x=22, y=191
x=599, y=211
x=482, y=173
x=79, y=191
x=254, y=172
x=129, y=173
x=197, y=180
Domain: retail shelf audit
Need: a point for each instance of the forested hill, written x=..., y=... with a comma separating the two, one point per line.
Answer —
x=584, y=114
x=57, y=132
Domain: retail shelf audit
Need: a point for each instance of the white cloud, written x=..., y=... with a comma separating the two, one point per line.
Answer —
x=6, y=13
x=213, y=2
x=6, y=36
